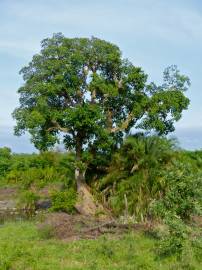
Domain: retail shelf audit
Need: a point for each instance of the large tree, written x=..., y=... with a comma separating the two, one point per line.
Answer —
x=83, y=92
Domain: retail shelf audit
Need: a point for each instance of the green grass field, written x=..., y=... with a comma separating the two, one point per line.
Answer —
x=23, y=248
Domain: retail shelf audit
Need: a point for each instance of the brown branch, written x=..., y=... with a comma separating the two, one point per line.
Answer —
x=124, y=125
x=93, y=96
x=57, y=127
x=109, y=119
x=118, y=82
x=134, y=168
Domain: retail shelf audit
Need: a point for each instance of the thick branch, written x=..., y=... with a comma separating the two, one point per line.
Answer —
x=93, y=96
x=109, y=120
x=57, y=127
x=124, y=125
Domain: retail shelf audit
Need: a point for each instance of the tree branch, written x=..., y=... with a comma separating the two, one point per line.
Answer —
x=93, y=96
x=57, y=127
x=124, y=125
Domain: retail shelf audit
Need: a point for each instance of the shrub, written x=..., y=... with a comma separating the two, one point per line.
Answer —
x=152, y=171
x=63, y=201
x=40, y=169
x=175, y=240
x=28, y=200
x=135, y=173
x=5, y=161
x=182, y=193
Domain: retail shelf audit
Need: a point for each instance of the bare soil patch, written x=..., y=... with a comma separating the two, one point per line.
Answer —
x=7, y=193
x=74, y=227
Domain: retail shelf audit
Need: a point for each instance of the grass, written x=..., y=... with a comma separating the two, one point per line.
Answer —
x=22, y=248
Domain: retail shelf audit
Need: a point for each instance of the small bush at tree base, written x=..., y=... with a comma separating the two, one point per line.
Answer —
x=63, y=201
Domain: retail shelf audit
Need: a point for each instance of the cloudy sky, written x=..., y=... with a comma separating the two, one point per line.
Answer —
x=153, y=34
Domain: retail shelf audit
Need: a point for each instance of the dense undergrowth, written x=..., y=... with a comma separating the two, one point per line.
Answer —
x=151, y=175
x=37, y=169
x=147, y=177
x=40, y=176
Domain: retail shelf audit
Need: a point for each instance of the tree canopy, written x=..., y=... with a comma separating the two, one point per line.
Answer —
x=83, y=91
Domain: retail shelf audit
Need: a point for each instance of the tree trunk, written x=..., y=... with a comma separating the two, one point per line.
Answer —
x=86, y=204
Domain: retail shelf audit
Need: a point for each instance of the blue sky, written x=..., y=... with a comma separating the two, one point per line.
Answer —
x=153, y=34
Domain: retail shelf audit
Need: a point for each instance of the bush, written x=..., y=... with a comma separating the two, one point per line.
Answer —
x=39, y=169
x=5, y=161
x=182, y=193
x=175, y=240
x=135, y=173
x=28, y=200
x=148, y=171
x=63, y=201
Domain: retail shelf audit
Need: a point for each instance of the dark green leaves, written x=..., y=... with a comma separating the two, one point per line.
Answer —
x=84, y=88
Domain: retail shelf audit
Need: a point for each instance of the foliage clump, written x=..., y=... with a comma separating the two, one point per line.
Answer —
x=63, y=201
x=153, y=175
x=151, y=179
x=182, y=193
x=135, y=173
x=5, y=160
x=82, y=92
x=38, y=170
x=28, y=200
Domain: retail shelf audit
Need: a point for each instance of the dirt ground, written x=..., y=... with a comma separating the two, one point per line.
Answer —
x=7, y=193
x=74, y=227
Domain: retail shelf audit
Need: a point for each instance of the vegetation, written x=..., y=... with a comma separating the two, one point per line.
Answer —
x=48, y=175
x=36, y=169
x=83, y=91
x=149, y=179
x=63, y=201
x=152, y=174
x=22, y=247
